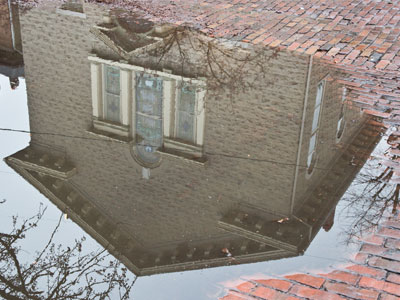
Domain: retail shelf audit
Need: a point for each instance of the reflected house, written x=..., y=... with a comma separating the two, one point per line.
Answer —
x=11, y=60
x=165, y=163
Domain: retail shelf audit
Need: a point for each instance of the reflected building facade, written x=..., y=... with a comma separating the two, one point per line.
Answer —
x=11, y=60
x=166, y=154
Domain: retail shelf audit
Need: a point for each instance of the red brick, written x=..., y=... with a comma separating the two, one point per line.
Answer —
x=353, y=55
x=388, y=287
x=383, y=263
x=310, y=293
x=372, y=249
x=275, y=43
x=388, y=297
x=377, y=273
x=246, y=287
x=278, y=284
x=374, y=239
x=313, y=281
x=382, y=64
x=393, y=278
x=351, y=291
x=269, y=40
x=294, y=46
x=312, y=50
x=333, y=51
x=392, y=223
x=361, y=257
x=377, y=113
x=342, y=276
x=392, y=254
x=393, y=233
x=234, y=297
x=267, y=293
x=389, y=56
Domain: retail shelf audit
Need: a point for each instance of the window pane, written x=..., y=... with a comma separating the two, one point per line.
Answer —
x=185, y=127
x=149, y=130
x=112, y=78
x=149, y=95
x=315, y=119
x=340, y=128
x=344, y=94
x=310, y=159
x=320, y=90
x=112, y=107
x=187, y=99
x=311, y=147
x=186, y=117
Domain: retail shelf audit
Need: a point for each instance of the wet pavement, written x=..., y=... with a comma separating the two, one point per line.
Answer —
x=193, y=160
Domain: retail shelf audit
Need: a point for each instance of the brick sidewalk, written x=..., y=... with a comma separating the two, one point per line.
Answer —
x=348, y=32
x=373, y=274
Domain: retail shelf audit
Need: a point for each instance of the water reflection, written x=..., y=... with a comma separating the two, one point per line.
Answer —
x=177, y=151
x=11, y=61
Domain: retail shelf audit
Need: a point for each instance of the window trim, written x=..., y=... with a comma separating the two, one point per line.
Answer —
x=67, y=12
x=341, y=119
x=170, y=145
x=315, y=133
x=98, y=113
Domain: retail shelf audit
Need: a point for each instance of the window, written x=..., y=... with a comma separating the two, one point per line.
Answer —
x=72, y=8
x=111, y=94
x=185, y=124
x=312, y=153
x=111, y=100
x=73, y=5
x=341, y=122
x=158, y=111
x=148, y=116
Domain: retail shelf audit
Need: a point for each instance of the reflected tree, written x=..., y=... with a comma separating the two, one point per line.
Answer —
x=375, y=192
x=227, y=65
x=57, y=271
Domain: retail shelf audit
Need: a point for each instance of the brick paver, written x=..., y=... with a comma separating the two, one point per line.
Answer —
x=374, y=277
x=361, y=28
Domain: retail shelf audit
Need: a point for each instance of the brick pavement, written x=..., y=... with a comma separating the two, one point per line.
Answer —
x=362, y=32
x=373, y=274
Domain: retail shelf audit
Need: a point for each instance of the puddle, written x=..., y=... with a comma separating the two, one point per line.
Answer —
x=194, y=161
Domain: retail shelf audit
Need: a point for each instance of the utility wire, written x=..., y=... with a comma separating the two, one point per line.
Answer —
x=184, y=151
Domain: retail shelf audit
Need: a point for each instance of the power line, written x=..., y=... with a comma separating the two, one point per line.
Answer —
x=54, y=134
x=183, y=151
x=5, y=172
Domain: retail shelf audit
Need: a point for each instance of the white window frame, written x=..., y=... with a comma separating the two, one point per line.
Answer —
x=71, y=13
x=128, y=103
x=98, y=95
x=171, y=90
x=312, y=147
x=341, y=118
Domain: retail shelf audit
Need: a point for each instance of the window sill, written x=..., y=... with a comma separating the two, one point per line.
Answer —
x=71, y=13
x=112, y=128
x=191, y=150
x=110, y=131
x=189, y=153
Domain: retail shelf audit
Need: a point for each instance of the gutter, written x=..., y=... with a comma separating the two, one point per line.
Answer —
x=296, y=173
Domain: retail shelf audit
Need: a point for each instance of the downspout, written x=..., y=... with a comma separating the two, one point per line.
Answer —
x=11, y=24
x=305, y=102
